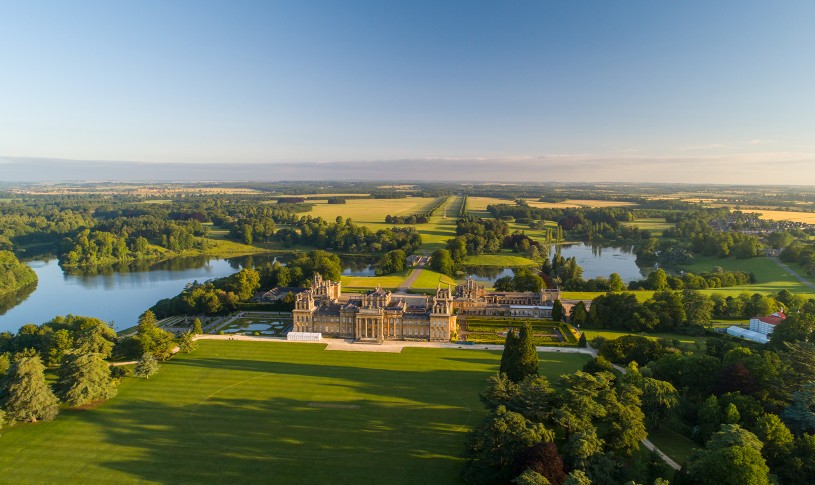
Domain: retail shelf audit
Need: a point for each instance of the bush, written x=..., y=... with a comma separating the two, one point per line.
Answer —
x=120, y=371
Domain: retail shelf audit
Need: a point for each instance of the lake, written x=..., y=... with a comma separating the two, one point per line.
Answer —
x=602, y=261
x=115, y=296
x=595, y=261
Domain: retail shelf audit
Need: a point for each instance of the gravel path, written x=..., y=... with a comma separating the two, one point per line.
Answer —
x=792, y=272
x=412, y=277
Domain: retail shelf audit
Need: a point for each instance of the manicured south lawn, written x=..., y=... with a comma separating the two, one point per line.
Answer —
x=257, y=412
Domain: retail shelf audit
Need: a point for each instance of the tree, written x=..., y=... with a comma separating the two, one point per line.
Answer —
x=800, y=414
x=442, y=262
x=85, y=378
x=557, y=311
x=731, y=457
x=531, y=477
x=509, y=355
x=659, y=399
x=493, y=446
x=146, y=366
x=657, y=280
x=196, y=327
x=581, y=342
x=520, y=357
x=582, y=446
x=577, y=477
x=94, y=337
x=731, y=414
x=709, y=418
x=615, y=283
x=150, y=338
x=578, y=314
x=777, y=438
x=544, y=460
x=187, y=342
x=26, y=395
x=794, y=328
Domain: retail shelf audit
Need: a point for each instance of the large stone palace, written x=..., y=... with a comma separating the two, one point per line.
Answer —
x=379, y=315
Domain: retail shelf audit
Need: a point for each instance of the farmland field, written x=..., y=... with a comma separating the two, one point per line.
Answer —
x=253, y=412
x=794, y=216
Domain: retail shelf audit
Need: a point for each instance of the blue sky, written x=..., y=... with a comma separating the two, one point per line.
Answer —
x=691, y=91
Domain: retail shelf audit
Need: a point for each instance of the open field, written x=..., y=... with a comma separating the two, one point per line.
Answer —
x=770, y=277
x=673, y=444
x=429, y=279
x=372, y=212
x=655, y=225
x=571, y=203
x=254, y=412
x=687, y=342
x=390, y=281
x=502, y=260
x=642, y=295
x=794, y=216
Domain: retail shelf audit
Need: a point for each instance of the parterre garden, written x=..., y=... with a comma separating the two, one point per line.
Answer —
x=258, y=324
x=493, y=330
x=259, y=412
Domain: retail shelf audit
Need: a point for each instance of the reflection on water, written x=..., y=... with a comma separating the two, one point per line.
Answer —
x=114, y=294
x=120, y=293
x=595, y=261
x=602, y=261
x=14, y=298
x=488, y=274
x=358, y=267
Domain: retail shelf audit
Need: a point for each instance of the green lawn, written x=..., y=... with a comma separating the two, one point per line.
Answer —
x=502, y=260
x=770, y=277
x=673, y=444
x=641, y=295
x=687, y=342
x=431, y=279
x=390, y=281
x=252, y=412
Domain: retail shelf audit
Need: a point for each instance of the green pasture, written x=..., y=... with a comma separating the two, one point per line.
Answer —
x=372, y=212
x=673, y=444
x=691, y=343
x=429, y=279
x=770, y=277
x=390, y=281
x=655, y=225
x=504, y=259
x=257, y=412
x=642, y=295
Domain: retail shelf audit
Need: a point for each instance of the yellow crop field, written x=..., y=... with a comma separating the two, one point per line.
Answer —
x=572, y=203
x=805, y=217
x=372, y=212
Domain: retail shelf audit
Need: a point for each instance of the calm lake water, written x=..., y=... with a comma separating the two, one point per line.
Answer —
x=117, y=296
x=602, y=261
x=595, y=261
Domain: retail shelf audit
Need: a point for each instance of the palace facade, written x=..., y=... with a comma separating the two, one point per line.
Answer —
x=379, y=315
x=372, y=317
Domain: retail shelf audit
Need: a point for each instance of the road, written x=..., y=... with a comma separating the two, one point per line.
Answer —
x=412, y=277
x=792, y=272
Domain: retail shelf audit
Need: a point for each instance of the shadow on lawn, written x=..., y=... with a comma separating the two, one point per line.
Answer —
x=410, y=425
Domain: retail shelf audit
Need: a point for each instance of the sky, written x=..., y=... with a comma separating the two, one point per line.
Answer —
x=629, y=91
